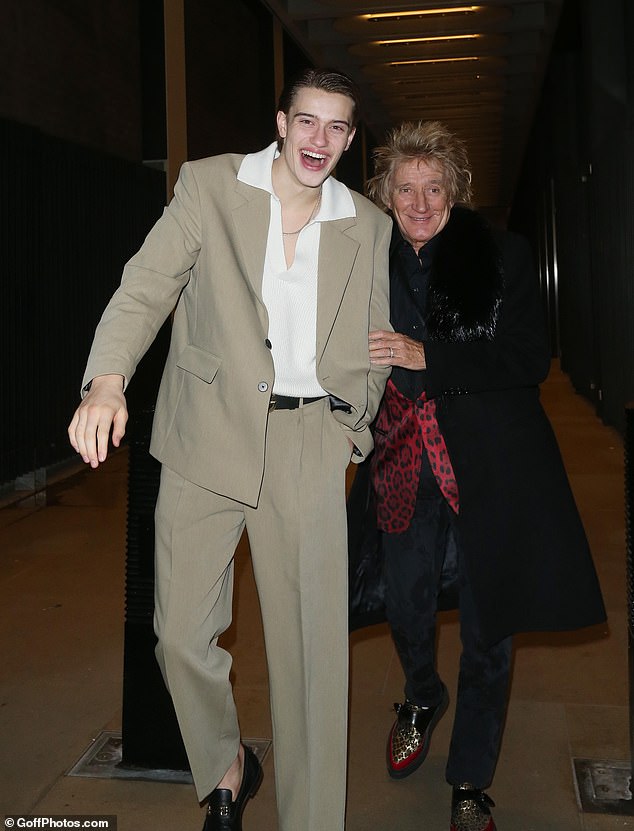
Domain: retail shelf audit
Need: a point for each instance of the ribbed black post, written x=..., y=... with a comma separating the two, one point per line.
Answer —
x=150, y=734
x=629, y=553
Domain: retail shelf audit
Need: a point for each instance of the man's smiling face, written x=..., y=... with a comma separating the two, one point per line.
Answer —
x=419, y=201
x=316, y=131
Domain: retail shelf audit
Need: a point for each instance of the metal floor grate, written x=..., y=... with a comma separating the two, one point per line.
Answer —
x=603, y=787
x=102, y=760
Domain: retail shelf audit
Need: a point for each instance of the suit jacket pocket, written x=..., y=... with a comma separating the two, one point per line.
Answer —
x=198, y=362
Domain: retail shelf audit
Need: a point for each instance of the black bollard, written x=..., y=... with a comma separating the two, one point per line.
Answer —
x=629, y=553
x=150, y=735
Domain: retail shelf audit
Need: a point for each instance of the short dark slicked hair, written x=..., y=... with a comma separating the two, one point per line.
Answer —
x=327, y=80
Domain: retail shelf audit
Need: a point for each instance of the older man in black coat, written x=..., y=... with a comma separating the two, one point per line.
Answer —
x=469, y=484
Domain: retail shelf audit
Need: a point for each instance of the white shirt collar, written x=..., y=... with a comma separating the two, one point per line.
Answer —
x=336, y=200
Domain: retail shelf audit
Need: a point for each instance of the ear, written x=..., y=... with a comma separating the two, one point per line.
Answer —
x=350, y=137
x=281, y=124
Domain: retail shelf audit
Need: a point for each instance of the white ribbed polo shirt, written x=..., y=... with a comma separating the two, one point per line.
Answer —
x=290, y=294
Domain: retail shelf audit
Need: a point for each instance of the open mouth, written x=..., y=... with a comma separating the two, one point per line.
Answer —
x=315, y=161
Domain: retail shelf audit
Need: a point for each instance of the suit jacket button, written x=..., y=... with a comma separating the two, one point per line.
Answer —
x=263, y=386
x=267, y=343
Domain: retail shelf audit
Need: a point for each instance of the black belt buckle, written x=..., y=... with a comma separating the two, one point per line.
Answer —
x=283, y=402
x=289, y=402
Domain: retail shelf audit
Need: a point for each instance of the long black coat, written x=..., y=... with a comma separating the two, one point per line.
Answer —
x=522, y=542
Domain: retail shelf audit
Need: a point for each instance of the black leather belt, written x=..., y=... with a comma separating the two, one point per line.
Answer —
x=287, y=402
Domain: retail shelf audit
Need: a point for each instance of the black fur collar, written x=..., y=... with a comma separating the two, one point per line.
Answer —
x=467, y=280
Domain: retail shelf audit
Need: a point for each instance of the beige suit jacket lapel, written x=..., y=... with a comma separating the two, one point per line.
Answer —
x=251, y=217
x=337, y=253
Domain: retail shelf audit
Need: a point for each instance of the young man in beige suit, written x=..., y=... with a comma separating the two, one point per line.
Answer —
x=277, y=272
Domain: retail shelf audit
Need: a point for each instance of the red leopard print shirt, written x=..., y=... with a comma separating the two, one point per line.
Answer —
x=403, y=427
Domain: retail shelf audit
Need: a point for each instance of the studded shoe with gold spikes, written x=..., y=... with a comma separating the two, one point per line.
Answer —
x=471, y=809
x=410, y=736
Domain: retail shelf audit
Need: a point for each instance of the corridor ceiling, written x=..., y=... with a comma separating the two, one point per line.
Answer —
x=478, y=68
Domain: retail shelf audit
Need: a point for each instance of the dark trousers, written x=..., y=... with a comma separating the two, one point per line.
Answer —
x=417, y=562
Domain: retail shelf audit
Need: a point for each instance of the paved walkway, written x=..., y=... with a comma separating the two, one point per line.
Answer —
x=61, y=634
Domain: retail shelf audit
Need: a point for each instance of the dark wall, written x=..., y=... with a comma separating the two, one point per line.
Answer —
x=230, y=80
x=576, y=201
x=71, y=68
x=152, y=60
x=70, y=219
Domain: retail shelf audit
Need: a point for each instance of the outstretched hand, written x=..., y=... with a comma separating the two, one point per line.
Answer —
x=396, y=349
x=102, y=409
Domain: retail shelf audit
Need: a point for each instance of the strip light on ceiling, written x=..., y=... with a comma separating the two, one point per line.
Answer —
x=421, y=13
x=431, y=60
x=435, y=38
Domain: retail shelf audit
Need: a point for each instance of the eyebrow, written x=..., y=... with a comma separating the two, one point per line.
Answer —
x=333, y=121
x=398, y=184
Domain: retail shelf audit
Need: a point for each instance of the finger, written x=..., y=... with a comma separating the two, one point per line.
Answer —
x=118, y=426
x=80, y=434
x=72, y=429
x=103, y=434
x=378, y=334
x=91, y=442
x=97, y=430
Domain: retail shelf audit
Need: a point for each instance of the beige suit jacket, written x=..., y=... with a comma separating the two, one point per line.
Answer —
x=205, y=259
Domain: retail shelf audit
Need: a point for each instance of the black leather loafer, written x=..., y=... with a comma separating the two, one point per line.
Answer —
x=410, y=736
x=223, y=814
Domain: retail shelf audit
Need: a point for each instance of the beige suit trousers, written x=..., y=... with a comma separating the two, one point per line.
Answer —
x=297, y=536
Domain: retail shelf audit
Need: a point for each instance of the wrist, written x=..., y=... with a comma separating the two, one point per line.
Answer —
x=115, y=381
